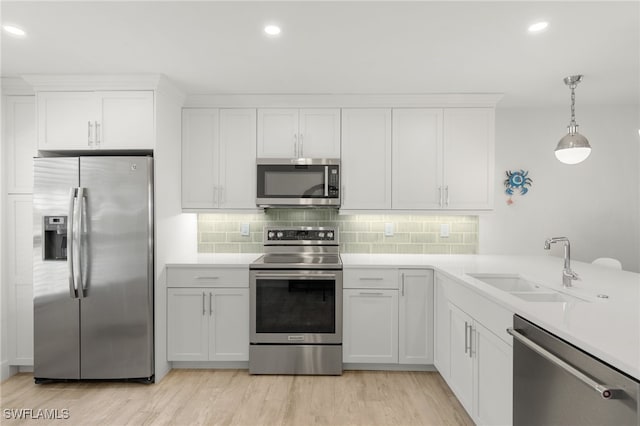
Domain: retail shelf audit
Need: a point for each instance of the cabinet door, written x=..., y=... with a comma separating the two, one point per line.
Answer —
x=366, y=159
x=441, y=328
x=319, y=133
x=417, y=159
x=187, y=325
x=370, y=326
x=200, y=129
x=416, y=317
x=21, y=142
x=460, y=360
x=66, y=120
x=229, y=327
x=277, y=133
x=21, y=335
x=125, y=120
x=20, y=239
x=237, y=159
x=469, y=158
x=493, y=378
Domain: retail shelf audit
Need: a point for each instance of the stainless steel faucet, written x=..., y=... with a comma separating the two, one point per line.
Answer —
x=567, y=274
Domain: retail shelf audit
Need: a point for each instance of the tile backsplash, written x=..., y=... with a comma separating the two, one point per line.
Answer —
x=220, y=233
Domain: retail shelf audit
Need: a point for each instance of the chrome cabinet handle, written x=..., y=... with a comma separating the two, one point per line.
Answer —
x=295, y=145
x=203, y=309
x=403, y=284
x=215, y=194
x=89, y=141
x=466, y=337
x=371, y=293
x=98, y=134
x=221, y=195
x=204, y=277
x=73, y=289
x=470, y=340
x=301, y=147
x=606, y=392
x=371, y=278
x=210, y=304
x=446, y=190
x=343, y=195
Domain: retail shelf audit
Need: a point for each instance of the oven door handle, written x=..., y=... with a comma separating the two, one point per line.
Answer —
x=275, y=276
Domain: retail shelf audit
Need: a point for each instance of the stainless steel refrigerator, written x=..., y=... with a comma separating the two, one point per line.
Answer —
x=93, y=268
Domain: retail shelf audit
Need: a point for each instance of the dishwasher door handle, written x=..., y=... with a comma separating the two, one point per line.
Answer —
x=606, y=392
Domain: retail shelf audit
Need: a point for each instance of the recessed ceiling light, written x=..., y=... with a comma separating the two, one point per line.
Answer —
x=272, y=30
x=538, y=26
x=14, y=31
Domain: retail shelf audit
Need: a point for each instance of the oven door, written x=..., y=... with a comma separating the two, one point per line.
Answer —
x=296, y=306
x=307, y=183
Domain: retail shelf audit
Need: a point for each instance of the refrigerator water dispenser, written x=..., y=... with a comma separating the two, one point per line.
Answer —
x=55, y=238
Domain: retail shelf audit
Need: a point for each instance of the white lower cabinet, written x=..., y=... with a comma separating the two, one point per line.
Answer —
x=415, y=325
x=370, y=326
x=475, y=362
x=388, y=316
x=208, y=324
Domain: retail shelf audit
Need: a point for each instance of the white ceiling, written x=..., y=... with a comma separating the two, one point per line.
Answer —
x=341, y=47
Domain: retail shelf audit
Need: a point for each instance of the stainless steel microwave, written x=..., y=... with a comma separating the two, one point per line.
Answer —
x=303, y=182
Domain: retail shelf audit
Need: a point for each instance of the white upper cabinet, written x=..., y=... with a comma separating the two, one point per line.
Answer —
x=199, y=142
x=95, y=120
x=443, y=159
x=218, y=158
x=298, y=133
x=468, y=158
x=20, y=142
x=366, y=158
x=417, y=158
x=237, y=161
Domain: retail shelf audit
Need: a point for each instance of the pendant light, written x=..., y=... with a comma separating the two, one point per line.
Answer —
x=573, y=148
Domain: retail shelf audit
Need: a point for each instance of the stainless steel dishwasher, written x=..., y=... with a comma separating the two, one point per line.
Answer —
x=555, y=383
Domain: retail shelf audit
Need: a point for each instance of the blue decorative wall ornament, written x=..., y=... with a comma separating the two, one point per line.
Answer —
x=516, y=182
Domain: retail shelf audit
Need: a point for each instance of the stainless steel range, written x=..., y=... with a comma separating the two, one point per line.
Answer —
x=296, y=303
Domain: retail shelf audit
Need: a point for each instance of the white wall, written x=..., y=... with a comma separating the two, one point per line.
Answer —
x=595, y=203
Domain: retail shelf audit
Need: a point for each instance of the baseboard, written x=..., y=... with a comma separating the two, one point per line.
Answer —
x=7, y=370
x=161, y=372
x=219, y=365
x=388, y=367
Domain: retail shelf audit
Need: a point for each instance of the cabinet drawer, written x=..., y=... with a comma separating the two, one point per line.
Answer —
x=207, y=277
x=370, y=278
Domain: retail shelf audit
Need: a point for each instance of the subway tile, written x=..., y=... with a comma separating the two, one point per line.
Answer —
x=409, y=227
x=451, y=239
x=384, y=248
x=398, y=238
x=251, y=248
x=463, y=249
x=410, y=249
x=235, y=237
x=212, y=237
x=356, y=226
x=470, y=238
x=348, y=237
x=356, y=248
x=205, y=248
x=437, y=249
x=422, y=238
x=464, y=227
x=227, y=248
x=369, y=237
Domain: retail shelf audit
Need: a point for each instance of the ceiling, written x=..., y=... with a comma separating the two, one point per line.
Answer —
x=346, y=47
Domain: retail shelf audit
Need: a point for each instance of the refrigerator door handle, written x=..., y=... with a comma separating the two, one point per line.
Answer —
x=73, y=288
x=78, y=249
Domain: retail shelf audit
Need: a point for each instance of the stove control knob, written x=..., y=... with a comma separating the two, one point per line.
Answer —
x=271, y=234
x=280, y=234
x=330, y=235
x=320, y=234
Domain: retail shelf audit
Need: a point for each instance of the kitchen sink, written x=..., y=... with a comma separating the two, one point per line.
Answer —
x=507, y=282
x=546, y=297
x=524, y=289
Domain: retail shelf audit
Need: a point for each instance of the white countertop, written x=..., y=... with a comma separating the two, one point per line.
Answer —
x=607, y=328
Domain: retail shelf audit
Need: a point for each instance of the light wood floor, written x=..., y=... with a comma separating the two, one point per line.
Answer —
x=233, y=397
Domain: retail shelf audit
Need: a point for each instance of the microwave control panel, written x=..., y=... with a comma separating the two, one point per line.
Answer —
x=334, y=183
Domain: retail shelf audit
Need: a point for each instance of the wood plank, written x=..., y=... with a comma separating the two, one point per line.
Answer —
x=233, y=397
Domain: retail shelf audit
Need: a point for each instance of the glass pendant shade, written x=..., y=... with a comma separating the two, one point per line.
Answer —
x=573, y=148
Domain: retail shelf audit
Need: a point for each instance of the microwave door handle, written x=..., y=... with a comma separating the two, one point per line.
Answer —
x=326, y=181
